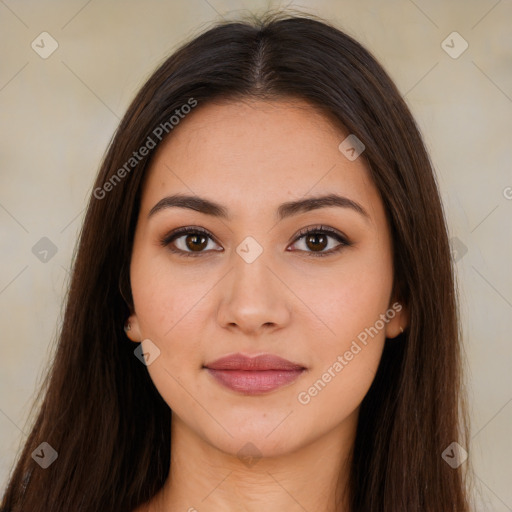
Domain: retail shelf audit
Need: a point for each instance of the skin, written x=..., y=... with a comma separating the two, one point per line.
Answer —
x=251, y=156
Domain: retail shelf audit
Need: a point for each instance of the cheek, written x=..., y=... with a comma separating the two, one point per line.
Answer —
x=165, y=297
x=345, y=356
x=345, y=300
x=349, y=340
x=169, y=309
x=336, y=391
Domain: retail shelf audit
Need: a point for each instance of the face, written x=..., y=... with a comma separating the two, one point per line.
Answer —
x=248, y=279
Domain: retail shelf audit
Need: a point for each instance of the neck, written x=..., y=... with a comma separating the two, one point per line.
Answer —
x=202, y=478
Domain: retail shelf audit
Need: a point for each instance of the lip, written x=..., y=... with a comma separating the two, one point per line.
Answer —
x=254, y=375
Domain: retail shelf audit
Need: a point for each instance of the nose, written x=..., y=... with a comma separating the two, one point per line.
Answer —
x=253, y=299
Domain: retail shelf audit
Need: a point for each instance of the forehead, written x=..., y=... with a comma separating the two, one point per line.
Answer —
x=253, y=153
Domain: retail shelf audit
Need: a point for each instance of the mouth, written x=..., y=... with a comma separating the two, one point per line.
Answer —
x=254, y=375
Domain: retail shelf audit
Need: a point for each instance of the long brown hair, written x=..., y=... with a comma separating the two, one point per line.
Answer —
x=100, y=410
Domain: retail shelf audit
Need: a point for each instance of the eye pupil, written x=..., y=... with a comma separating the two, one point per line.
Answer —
x=194, y=244
x=313, y=240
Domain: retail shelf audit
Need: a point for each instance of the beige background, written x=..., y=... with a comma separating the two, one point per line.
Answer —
x=59, y=113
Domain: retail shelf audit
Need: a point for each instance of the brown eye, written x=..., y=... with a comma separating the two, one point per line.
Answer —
x=188, y=241
x=196, y=242
x=316, y=240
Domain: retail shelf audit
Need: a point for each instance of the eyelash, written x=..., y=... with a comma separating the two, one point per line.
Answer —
x=169, y=238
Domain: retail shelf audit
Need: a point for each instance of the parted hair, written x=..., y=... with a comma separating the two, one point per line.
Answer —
x=98, y=407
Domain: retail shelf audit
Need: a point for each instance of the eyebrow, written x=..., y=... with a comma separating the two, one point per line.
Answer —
x=288, y=209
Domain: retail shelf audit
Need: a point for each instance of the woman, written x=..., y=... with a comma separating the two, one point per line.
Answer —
x=266, y=228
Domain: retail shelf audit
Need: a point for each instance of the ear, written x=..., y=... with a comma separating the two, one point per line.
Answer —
x=133, y=332
x=398, y=315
